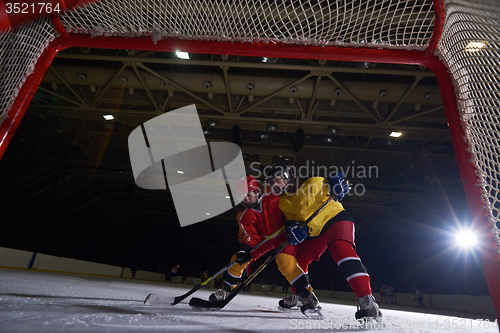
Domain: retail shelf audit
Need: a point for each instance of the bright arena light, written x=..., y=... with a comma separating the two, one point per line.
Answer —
x=182, y=55
x=465, y=239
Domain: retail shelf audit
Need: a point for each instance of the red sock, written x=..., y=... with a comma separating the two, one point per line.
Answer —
x=350, y=264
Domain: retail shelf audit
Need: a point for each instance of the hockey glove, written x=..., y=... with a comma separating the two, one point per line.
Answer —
x=244, y=254
x=296, y=233
x=339, y=187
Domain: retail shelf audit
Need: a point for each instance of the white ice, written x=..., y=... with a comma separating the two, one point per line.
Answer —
x=48, y=302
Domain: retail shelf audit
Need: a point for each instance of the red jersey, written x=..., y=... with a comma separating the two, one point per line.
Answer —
x=257, y=223
x=271, y=218
x=248, y=221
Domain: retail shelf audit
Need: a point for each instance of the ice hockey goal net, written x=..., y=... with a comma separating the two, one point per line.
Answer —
x=457, y=39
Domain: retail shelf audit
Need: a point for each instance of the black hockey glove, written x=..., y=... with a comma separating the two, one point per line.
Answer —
x=244, y=254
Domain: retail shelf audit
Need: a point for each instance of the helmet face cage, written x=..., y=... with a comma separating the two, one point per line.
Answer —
x=253, y=186
x=286, y=174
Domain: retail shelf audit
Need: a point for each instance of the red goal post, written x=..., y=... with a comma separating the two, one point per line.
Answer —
x=456, y=39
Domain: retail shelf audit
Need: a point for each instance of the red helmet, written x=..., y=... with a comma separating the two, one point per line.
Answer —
x=252, y=186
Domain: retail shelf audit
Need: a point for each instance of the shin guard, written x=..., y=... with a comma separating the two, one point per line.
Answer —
x=288, y=266
x=351, y=266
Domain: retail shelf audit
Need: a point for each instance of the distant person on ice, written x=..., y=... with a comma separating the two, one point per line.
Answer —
x=383, y=294
x=173, y=273
x=390, y=294
x=134, y=269
x=204, y=276
x=420, y=297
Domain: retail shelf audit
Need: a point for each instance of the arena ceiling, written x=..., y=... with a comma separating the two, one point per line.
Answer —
x=67, y=161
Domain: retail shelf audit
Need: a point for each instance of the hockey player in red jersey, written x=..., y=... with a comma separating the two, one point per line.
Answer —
x=331, y=228
x=257, y=223
x=247, y=216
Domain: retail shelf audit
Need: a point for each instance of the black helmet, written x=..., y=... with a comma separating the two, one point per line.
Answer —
x=286, y=173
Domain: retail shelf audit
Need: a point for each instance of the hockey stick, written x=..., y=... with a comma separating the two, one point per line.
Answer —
x=199, y=303
x=178, y=299
x=202, y=304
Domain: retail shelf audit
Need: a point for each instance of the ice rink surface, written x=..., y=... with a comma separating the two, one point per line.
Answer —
x=48, y=302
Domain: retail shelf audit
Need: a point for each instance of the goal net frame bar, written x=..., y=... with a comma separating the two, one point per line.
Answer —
x=489, y=252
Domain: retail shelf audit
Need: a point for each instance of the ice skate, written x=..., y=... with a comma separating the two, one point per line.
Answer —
x=310, y=307
x=219, y=295
x=290, y=302
x=368, y=310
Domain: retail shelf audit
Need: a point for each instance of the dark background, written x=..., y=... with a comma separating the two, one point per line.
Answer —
x=66, y=182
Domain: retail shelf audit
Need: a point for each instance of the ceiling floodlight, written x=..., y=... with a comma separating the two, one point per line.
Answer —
x=332, y=130
x=269, y=60
x=108, y=117
x=475, y=46
x=362, y=65
x=182, y=55
x=395, y=134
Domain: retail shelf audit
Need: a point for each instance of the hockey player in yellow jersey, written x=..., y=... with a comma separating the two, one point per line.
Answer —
x=331, y=228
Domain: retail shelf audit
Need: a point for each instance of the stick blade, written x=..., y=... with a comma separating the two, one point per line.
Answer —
x=177, y=300
x=155, y=300
x=201, y=304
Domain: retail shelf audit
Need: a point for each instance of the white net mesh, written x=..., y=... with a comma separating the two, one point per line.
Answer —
x=389, y=23
x=470, y=47
x=19, y=52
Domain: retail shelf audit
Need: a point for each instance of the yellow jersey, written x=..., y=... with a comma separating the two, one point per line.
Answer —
x=300, y=205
